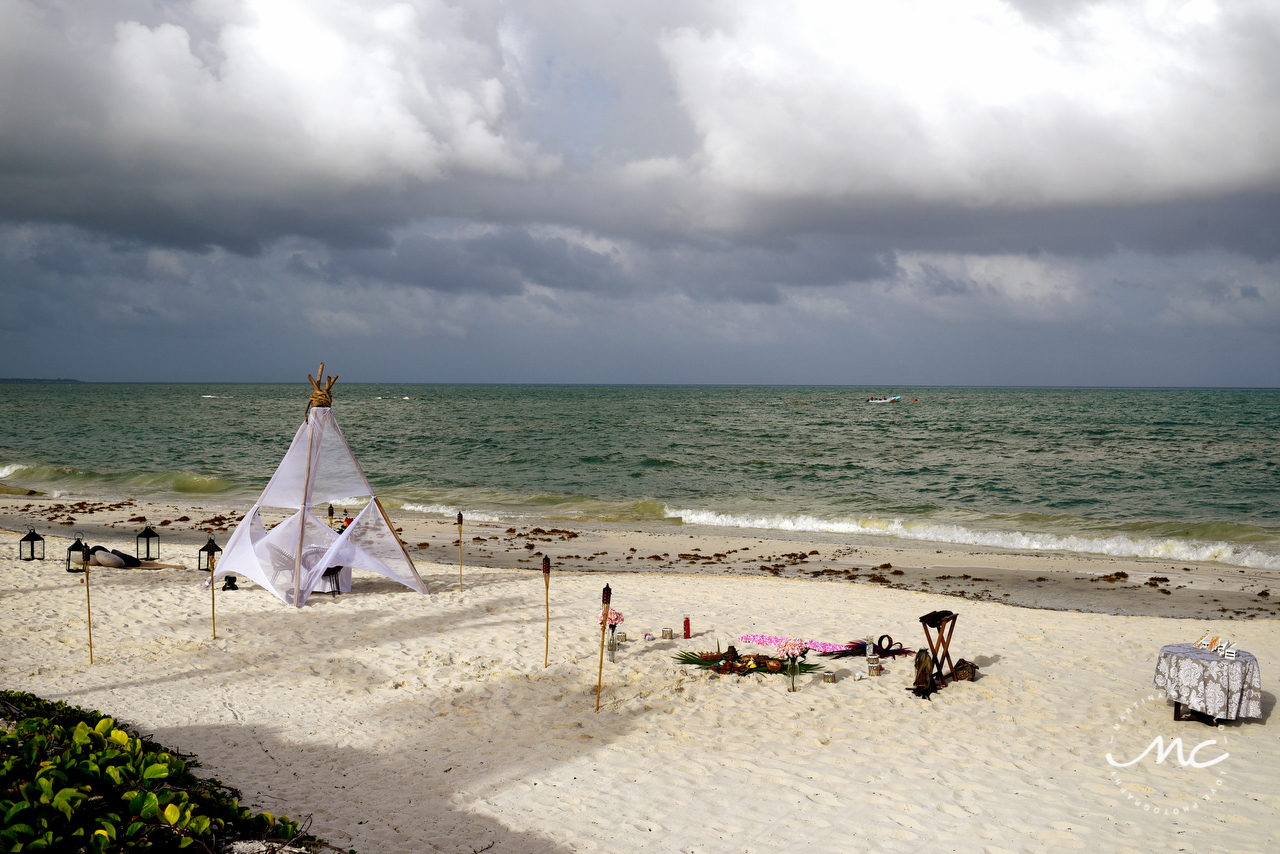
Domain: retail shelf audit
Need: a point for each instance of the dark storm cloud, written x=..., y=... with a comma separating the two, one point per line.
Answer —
x=1244, y=223
x=507, y=260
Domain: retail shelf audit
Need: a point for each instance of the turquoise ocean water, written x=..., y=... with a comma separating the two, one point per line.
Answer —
x=1171, y=474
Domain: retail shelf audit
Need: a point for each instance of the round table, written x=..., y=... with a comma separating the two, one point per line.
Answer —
x=1222, y=688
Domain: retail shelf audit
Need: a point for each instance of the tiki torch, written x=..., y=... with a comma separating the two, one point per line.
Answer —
x=459, y=552
x=546, y=582
x=207, y=558
x=604, y=626
x=88, y=607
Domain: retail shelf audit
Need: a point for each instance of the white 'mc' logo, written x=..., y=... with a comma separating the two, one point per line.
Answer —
x=1162, y=752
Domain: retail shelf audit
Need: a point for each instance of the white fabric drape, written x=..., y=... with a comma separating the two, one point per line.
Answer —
x=290, y=560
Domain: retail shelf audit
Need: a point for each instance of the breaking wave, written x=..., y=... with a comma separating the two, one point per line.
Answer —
x=1162, y=548
x=61, y=479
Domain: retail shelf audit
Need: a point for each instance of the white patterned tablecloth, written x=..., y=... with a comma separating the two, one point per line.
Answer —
x=1203, y=681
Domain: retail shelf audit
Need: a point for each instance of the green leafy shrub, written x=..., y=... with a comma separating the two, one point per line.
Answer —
x=72, y=780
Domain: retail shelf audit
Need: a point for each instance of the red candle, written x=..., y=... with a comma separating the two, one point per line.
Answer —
x=686, y=625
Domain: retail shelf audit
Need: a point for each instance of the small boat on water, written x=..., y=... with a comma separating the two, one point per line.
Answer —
x=894, y=399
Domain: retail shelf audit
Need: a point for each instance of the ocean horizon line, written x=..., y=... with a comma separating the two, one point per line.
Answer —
x=553, y=384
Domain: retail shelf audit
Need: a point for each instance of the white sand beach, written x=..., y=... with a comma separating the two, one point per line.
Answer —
x=405, y=723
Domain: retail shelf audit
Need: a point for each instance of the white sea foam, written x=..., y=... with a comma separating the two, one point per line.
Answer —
x=450, y=510
x=7, y=471
x=430, y=509
x=1164, y=548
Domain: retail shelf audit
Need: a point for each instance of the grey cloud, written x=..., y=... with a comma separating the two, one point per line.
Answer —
x=175, y=124
x=390, y=176
x=507, y=260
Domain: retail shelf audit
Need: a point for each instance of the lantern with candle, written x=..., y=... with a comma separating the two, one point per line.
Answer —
x=31, y=546
x=144, y=542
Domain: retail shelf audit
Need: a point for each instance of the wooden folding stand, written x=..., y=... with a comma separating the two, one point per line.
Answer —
x=943, y=625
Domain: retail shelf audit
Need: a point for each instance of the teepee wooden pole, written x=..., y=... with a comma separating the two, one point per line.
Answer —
x=459, y=552
x=604, y=626
x=382, y=510
x=546, y=582
x=321, y=397
x=306, y=504
x=399, y=542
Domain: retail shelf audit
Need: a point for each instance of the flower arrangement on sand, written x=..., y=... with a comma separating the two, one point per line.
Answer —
x=887, y=649
x=731, y=661
x=615, y=618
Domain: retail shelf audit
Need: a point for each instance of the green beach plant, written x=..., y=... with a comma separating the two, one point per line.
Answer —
x=73, y=780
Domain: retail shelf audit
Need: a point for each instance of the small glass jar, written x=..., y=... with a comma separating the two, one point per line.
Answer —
x=668, y=634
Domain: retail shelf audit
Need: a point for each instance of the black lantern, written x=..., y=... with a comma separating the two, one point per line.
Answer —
x=207, y=556
x=31, y=547
x=151, y=538
x=78, y=552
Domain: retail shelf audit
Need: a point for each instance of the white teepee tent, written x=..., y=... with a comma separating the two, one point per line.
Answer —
x=290, y=560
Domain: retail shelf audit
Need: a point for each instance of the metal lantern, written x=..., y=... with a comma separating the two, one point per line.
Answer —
x=206, y=557
x=150, y=538
x=31, y=547
x=77, y=552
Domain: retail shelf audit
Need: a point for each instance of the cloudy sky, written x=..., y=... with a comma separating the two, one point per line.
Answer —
x=971, y=192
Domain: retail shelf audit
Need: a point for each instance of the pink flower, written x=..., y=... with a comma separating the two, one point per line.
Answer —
x=773, y=640
x=792, y=648
x=615, y=617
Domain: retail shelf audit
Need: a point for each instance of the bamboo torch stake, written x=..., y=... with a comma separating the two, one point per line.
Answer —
x=88, y=608
x=213, y=597
x=459, y=552
x=604, y=627
x=546, y=582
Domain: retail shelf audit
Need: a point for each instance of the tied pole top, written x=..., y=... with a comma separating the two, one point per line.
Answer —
x=546, y=566
x=320, y=396
x=606, y=596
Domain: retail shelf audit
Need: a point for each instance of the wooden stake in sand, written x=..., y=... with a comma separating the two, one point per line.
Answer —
x=88, y=607
x=207, y=555
x=459, y=552
x=604, y=627
x=213, y=599
x=546, y=582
